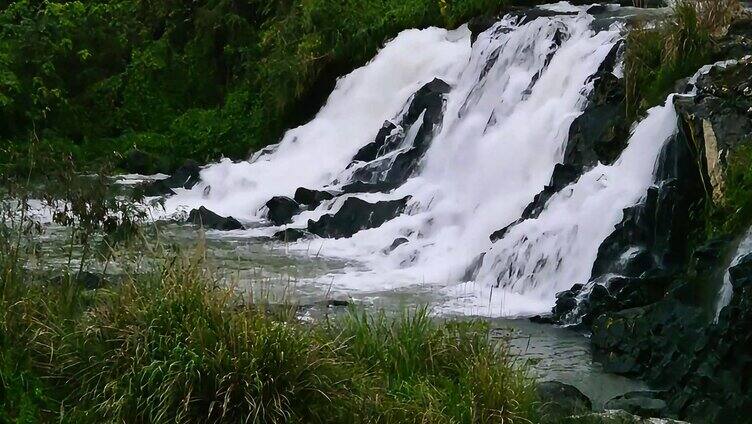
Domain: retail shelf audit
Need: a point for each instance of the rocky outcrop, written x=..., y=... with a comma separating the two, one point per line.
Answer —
x=650, y=303
x=717, y=120
x=205, y=218
x=355, y=215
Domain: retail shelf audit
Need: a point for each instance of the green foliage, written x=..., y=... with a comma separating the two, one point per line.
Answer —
x=204, y=78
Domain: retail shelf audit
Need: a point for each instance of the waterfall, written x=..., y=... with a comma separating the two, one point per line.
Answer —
x=463, y=169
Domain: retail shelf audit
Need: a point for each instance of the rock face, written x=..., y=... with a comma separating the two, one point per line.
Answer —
x=391, y=158
x=356, y=215
x=282, y=209
x=208, y=219
x=602, y=131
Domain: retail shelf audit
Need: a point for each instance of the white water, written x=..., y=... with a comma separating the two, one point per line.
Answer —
x=495, y=150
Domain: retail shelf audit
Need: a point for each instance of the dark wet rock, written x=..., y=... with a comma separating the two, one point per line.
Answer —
x=656, y=341
x=205, y=218
x=187, y=176
x=290, y=234
x=711, y=253
x=356, y=215
x=653, y=234
x=478, y=25
x=560, y=400
x=563, y=175
x=388, y=135
x=641, y=403
x=381, y=172
x=526, y=14
x=366, y=187
x=311, y=198
x=499, y=234
x=738, y=40
x=602, y=131
x=543, y=319
x=399, y=241
x=281, y=210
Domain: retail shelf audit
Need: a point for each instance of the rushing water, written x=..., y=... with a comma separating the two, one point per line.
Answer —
x=514, y=94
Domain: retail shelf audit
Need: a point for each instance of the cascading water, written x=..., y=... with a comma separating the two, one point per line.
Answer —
x=465, y=168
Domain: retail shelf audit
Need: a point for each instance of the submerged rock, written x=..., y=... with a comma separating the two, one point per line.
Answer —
x=207, y=219
x=356, y=215
x=85, y=279
x=282, y=209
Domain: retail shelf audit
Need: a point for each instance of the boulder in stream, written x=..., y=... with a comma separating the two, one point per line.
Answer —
x=282, y=209
x=311, y=198
x=356, y=215
x=207, y=219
